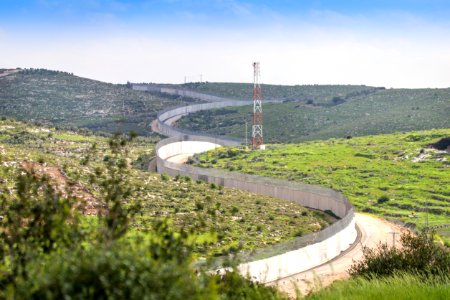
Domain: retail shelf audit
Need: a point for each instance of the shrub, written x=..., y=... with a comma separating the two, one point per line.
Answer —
x=299, y=233
x=383, y=199
x=164, y=177
x=417, y=254
x=199, y=206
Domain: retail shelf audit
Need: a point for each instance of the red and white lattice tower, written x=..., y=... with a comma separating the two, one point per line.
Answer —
x=257, y=128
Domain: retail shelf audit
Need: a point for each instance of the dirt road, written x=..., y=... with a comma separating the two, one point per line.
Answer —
x=373, y=231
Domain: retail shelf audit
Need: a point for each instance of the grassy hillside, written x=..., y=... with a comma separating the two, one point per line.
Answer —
x=65, y=100
x=224, y=219
x=320, y=112
x=392, y=175
x=324, y=95
x=398, y=287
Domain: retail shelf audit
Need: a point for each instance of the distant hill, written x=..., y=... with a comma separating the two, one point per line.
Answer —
x=321, y=95
x=319, y=112
x=65, y=100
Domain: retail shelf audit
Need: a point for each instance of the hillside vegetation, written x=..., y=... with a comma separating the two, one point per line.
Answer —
x=63, y=239
x=65, y=100
x=320, y=112
x=397, y=176
x=402, y=286
x=226, y=220
x=322, y=95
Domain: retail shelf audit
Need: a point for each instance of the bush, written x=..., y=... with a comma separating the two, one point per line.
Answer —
x=417, y=254
x=199, y=205
x=383, y=199
x=164, y=177
x=111, y=273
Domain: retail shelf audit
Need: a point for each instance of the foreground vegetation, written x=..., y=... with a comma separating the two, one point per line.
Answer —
x=64, y=100
x=229, y=219
x=398, y=176
x=48, y=251
x=321, y=112
x=109, y=244
x=418, y=269
x=402, y=286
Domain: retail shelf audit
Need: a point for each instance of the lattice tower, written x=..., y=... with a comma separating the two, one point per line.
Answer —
x=257, y=128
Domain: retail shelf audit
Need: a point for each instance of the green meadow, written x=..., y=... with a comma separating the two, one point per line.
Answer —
x=402, y=286
x=397, y=176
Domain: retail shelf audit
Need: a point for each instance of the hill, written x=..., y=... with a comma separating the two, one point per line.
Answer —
x=320, y=112
x=224, y=219
x=397, y=176
x=65, y=100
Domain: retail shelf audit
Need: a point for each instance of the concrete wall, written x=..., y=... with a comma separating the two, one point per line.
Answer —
x=167, y=117
x=179, y=92
x=285, y=258
x=277, y=261
x=302, y=259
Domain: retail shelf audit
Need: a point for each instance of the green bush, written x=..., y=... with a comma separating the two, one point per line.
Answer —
x=418, y=254
x=111, y=273
x=383, y=199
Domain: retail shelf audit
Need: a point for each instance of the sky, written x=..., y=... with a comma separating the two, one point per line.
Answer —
x=396, y=43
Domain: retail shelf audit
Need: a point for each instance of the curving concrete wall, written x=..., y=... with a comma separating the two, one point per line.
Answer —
x=277, y=261
x=302, y=259
x=168, y=116
x=285, y=258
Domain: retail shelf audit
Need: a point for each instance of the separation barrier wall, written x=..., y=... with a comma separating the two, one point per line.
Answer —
x=286, y=258
x=178, y=92
x=277, y=261
x=167, y=117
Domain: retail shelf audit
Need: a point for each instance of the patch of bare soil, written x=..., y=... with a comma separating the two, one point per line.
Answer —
x=86, y=202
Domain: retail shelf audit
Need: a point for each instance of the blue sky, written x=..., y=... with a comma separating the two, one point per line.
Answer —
x=385, y=43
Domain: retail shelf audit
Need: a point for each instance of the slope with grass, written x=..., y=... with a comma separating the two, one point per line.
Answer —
x=402, y=286
x=319, y=112
x=320, y=95
x=65, y=100
x=226, y=220
x=397, y=176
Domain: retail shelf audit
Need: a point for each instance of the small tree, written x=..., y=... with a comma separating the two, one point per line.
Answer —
x=36, y=220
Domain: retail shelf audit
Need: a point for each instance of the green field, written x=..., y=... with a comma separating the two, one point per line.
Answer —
x=65, y=100
x=321, y=112
x=400, y=287
x=396, y=176
x=225, y=220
